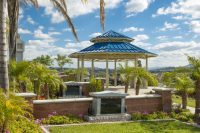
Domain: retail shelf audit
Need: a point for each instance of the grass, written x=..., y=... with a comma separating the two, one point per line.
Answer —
x=177, y=99
x=133, y=127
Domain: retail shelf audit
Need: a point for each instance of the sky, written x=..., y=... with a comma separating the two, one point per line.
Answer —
x=169, y=28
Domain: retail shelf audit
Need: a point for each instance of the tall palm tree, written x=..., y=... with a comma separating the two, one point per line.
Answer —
x=13, y=15
x=62, y=60
x=195, y=64
x=4, y=81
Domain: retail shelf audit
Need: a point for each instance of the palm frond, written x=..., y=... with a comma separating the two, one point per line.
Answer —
x=61, y=6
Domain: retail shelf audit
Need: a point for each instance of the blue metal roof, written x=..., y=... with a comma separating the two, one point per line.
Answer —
x=112, y=35
x=122, y=47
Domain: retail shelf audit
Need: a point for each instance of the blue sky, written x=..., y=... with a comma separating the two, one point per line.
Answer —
x=169, y=28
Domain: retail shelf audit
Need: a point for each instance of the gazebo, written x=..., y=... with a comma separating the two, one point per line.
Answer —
x=110, y=46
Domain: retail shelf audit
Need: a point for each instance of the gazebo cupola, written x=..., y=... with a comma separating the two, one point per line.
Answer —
x=110, y=46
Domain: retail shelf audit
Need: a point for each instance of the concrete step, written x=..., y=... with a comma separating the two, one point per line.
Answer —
x=108, y=118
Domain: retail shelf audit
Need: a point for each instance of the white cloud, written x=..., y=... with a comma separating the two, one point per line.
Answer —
x=161, y=38
x=169, y=26
x=189, y=8
x=178, y=37
x=39, y=34
x=195, y=26
x=76, y=8
x=24, y=31
x=135, y=6
x=173, y=53
x=95, y=34
x=54, y=33
x=172, y=46
x=142, y=37
x=30, y=20
x=132, y=29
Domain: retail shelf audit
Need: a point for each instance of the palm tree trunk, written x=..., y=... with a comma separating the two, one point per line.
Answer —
x=184, y=100
x=126, y=88
x=137, y=88
x=197, y=97
x=4, y=81
x=46, y=88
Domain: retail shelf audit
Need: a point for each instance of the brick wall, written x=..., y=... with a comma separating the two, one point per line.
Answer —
x=41, y=108
x=144, y=104
x=161, y=101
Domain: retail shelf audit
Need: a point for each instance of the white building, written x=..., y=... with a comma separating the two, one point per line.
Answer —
x=19, y=49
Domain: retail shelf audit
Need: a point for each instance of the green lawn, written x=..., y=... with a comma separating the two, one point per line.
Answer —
x=133, y=127
x=177, y=99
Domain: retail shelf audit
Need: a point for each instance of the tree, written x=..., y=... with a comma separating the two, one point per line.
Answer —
x=62, y=60
x=195, y=66
x=125, y=75
x=18, y=79
x=44, y=59
x=184, y=85
x=140, y=74
x=13, y=15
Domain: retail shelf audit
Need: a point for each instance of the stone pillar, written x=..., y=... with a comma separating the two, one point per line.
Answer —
x=115, y=74
x=136, y=62
x=146, y=63
x=82, y=69
x=107, y=74
x=166, y=98
x=92, y=72
x=78, y=68
x=123, y=105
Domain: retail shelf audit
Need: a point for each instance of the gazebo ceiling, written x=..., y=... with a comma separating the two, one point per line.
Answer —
x=112, y=45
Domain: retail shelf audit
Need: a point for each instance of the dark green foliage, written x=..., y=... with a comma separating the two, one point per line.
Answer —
x=146, y=116
x=44, y=59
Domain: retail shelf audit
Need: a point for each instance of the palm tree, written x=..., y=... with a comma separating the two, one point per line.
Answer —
x=62, y=60
x=44, y=59
x=4, y=81
x=13, y=15
x=18, y=79
x=195, y=64
x=125, y=75
x=184, y=85
x=141, y=74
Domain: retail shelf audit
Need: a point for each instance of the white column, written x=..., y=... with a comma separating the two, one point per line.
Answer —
x=82, y=69
x=78, y=68
x=107, y=74
x=92, y=72
x=146, y=63
x=115, y=74
x=136, y=62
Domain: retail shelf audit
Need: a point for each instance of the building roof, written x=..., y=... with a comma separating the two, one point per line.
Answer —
x=114, y=44
x=111, y=36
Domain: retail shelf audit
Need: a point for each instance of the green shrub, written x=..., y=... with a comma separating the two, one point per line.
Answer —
x=61, y=119
x=137, y=116
x=95, y=85
x=183, y=115
x=23, y=125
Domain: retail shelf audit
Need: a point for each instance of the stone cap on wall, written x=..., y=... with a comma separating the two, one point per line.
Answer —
x=75, y=83
x=162, y=89
x=108, y=94
x=61, y=100
x=25, y=95
x=143, y=96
